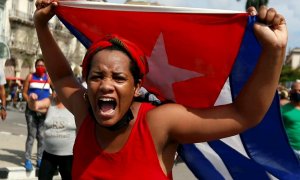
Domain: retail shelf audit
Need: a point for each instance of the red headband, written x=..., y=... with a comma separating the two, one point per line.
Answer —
x=136, y=54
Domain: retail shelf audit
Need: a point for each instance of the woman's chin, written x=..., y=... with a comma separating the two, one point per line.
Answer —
x=106, y=118
x=107, y=123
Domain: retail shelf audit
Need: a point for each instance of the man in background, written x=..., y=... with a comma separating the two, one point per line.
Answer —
x=291, y=118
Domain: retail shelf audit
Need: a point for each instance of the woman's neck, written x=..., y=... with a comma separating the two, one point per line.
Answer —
x=40, y=76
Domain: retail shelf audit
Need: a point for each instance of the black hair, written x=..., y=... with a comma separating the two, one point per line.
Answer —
x=293, y=86
x=38, y=60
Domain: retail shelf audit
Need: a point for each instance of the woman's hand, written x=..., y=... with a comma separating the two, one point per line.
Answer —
x=32, y=101
x=44, y=11
x=270, y=29
x=33, y=96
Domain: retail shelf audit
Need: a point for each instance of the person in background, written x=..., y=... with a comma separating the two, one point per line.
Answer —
x=60, y=133
x=2, y=95
x=291, y=118
x=36, y=87
x=284, y=97
x=14, y=87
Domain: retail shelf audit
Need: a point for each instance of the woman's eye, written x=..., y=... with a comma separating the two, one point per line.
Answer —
x=95, y=77
x=119, y=78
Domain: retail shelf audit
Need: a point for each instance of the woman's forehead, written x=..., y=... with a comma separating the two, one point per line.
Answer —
x=111, y=57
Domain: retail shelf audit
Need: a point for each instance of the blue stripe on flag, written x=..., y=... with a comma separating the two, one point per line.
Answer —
x=238, y=165
x=197, y=163
x=267, y=143
x=82, y=38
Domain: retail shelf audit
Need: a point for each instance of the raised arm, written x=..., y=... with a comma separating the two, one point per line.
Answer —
x=65, y=84
x=187, y=125
x=25, y=88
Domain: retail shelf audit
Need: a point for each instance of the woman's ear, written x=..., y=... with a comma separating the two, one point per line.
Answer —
x=137, y=89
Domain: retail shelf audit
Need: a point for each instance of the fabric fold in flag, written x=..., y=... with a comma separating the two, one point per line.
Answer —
x=193, y=54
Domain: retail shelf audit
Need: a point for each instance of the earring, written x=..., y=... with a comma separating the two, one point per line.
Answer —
x=85, y=96
x=137, y=93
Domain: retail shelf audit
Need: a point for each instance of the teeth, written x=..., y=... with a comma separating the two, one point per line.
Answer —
x=106, y=104
x=106, y=99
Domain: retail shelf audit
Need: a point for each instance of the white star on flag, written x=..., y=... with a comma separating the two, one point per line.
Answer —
x=161, y=74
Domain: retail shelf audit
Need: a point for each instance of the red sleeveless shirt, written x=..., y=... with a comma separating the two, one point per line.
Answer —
x=136, y=160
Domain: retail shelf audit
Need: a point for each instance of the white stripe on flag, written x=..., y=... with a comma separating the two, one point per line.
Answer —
x=142, y=8
x=208, y=152
x=214, y=158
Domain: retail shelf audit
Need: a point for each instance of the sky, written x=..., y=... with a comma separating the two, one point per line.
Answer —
x=290, y=9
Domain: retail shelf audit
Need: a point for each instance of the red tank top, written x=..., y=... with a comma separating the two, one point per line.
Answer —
x=136, y=160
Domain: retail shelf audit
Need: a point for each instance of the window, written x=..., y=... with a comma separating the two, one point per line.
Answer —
x=30, y=7
x=1, y=22
x=4, y=51
x=15, y=5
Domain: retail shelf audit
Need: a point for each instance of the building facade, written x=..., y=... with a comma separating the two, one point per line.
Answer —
x=18, y=33
x=18, y=39
x=293, y=58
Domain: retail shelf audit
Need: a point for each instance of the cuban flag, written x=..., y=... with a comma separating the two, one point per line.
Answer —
x=199, y=58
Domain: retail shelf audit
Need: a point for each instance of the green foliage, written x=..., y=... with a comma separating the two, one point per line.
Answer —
x=256, y=3
x=288, y=75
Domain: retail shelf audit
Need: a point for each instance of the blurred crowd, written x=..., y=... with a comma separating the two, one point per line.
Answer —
x=290, y=111
x=284, y=92
x=14, y=89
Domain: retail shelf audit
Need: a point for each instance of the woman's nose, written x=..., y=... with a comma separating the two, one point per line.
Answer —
x=106, y=85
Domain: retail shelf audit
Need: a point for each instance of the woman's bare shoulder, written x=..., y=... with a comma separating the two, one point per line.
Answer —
x=166, y=111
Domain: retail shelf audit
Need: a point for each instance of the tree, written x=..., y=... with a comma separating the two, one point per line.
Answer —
x=288, y=74
x=255, y=3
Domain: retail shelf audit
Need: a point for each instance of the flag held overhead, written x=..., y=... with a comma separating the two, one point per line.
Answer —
x=182, y=40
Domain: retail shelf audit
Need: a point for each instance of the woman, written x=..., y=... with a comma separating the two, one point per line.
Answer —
x=120, y=138
x=60, y=132
x=37, y=83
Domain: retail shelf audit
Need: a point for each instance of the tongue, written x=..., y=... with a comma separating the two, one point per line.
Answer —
x=106, y=107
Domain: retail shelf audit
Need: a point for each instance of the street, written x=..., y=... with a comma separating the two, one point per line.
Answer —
x=15, y=123
x=13, y=134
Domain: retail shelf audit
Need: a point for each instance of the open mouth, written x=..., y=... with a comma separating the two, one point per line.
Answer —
x=107, y=105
